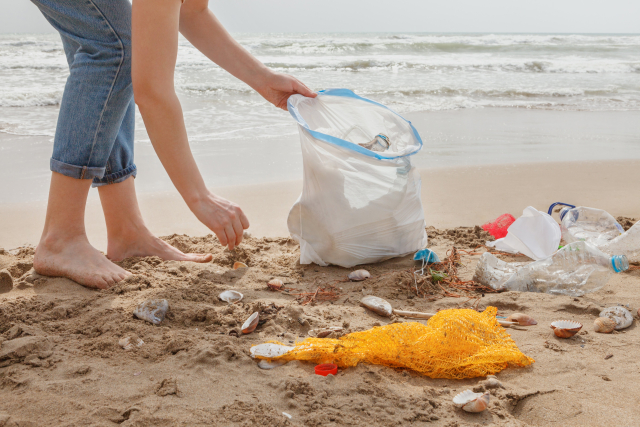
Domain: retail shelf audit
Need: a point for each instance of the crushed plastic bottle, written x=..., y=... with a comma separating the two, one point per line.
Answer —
x=576, y=269
x=627, y=244
x=599, y=228
x=596, y=226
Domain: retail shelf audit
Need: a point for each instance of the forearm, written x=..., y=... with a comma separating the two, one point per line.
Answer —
x=163, y=119
x=200, y=26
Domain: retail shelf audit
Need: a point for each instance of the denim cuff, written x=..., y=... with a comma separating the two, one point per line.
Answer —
x=116, y=177
x=77, y=172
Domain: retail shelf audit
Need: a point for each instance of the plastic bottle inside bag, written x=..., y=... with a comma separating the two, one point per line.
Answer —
x=595, y=226
x=576, y=269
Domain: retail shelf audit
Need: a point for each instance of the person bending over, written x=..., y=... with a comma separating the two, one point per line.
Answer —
x=94, y=136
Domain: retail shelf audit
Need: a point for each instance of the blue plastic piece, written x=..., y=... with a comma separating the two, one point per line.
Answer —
x=426, y=255
x=346, y=144
x=550, y=212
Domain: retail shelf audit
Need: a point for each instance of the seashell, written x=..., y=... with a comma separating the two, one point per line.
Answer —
x=604, y=325
x=269, y=350
x=620, y=315
x=326, y=332
x=152, y=310
x=230, y=296
x=139, y=343
x=266, y=364
x=522, y=319
x=275, y=284
x=251, y=323
x=359, y=275
x=492, y=382
x=472, y=402
x=377, y=305
x=125, y=343
x=565, y=328
x=238, y=264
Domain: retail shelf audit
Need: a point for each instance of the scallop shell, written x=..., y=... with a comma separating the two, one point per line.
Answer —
x=604, y=325
x=522, y=319
x=472, y=402
x=269, y=350
x=565, y=328
x=275, y=284
x=238, y=264
x=251, y=323
x=377, y=305
x=359, y=275
x=230, y=296
x=620, y=315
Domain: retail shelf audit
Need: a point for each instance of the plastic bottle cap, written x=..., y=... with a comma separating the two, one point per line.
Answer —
x=326, y=369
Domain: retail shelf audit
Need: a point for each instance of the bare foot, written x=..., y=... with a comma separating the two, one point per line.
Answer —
x=144, y=243
x=77, y=260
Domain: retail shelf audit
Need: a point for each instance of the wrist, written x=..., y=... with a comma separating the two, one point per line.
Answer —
x=262, y=79
x=197, y=197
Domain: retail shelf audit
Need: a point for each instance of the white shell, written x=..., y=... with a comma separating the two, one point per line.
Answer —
x=471, y=402
x=269, y=350
x=230, y=296
x=359, y=275
x=266, y=364
x=251, y=323
x=620, y=315
x=377, y=305
x=125, y=343
x=565, y=328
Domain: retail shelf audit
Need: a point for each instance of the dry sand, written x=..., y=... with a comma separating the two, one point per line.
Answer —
x=61, y=364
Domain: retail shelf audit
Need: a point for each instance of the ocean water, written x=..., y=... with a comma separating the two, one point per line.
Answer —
x=238, y=138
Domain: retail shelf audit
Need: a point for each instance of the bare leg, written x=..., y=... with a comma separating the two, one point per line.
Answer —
x=127, y=234
x=64, y=250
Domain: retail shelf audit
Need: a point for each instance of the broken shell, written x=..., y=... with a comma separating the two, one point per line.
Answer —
x=472, y=402
x=359, y=275
x=604, y=325
x=377, y=305
x=238, y=264
x=269, y=350
x=230, y=296
x=522, y=319
x=620, y=315
x=125, y=343
x=326, y=332
x=251, y=323
x=265, y=364
x=152, y=310
x=565, y=328
x=275, y=284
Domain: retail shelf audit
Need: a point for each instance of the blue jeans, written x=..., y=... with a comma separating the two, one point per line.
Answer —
x=95, y=131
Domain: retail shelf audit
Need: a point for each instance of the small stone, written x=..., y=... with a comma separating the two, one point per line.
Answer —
x=606, y=378
x=6, y=282
x=608, y=356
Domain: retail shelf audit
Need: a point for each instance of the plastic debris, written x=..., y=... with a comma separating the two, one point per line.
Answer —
x=535, y=234
x=498, y=228
x=325, y=369
x=152, y=310
x=576, y=269
x=456, y=344
x=426, y=256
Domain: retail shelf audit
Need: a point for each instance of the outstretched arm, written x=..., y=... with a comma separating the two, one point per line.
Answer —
x=200, y=26
x=155, y=48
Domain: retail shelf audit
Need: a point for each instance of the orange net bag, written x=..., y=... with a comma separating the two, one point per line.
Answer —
x=455, y=344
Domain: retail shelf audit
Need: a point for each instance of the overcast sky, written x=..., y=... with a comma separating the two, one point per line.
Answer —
x=539, y=16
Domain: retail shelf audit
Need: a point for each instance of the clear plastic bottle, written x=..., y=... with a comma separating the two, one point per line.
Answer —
x=576, y=269
x=627, y=244
x=595, y=226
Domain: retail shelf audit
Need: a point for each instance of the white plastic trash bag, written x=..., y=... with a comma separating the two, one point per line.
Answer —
x=357, y=205
x=535, y=234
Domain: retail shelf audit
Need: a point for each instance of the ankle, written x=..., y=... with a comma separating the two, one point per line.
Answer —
x=128, y=234
x=53, y=240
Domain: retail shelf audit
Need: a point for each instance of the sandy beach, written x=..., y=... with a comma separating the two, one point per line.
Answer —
x=68, y=368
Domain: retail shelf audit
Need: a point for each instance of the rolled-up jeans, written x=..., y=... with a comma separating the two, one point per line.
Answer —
x=95, y=130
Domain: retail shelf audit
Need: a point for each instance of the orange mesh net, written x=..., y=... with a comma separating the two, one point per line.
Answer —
x=455, y=344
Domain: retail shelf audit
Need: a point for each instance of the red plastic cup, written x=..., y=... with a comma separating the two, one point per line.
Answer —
x=499, y=228
x=326, y=369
